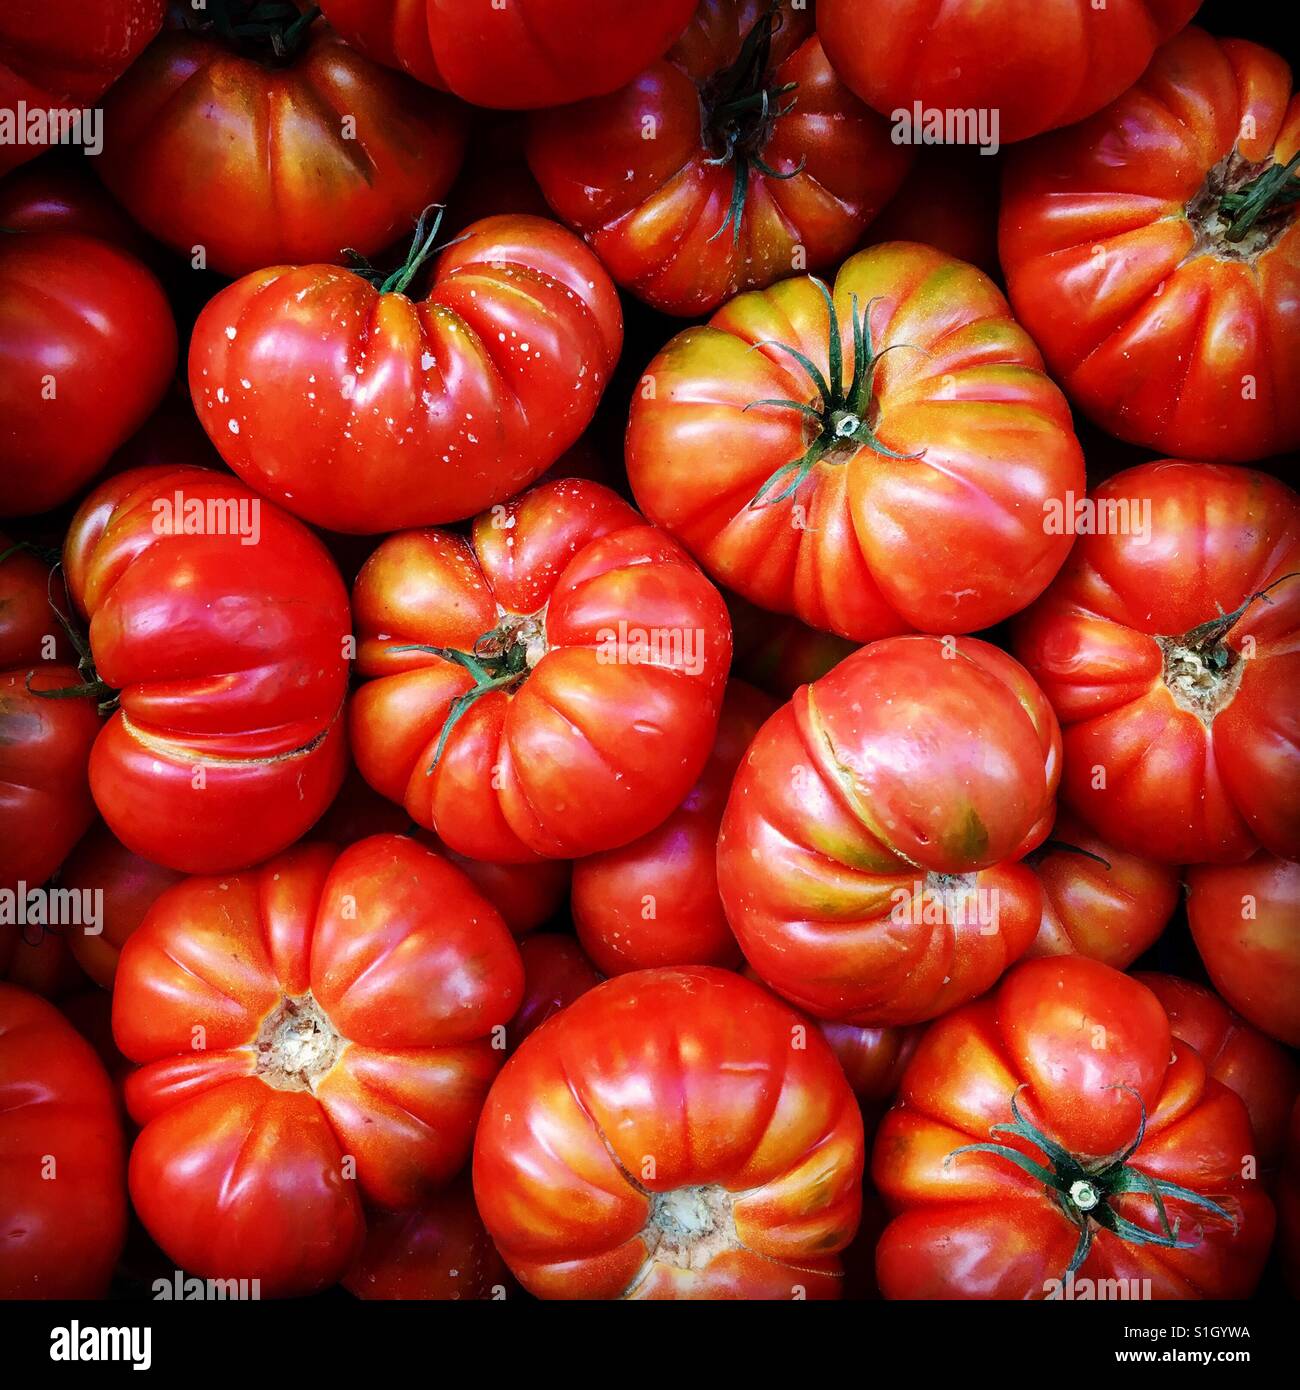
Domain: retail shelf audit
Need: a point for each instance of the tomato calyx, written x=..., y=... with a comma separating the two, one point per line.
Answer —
x=689, y=1226
x=1276, y=189
x=739, y=111
x=296, y=1044
x=842, y=415
x=1242, y=208
x=91, y=685
x=421, y=248
x=274, y=28
x=1083, y=1188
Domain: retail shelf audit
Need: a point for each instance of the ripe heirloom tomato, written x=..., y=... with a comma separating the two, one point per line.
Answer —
x=873, y=1059
x=344, y=1003
x=1036, y=65
x=54, y=196
x=228, y=661
x=1154, y=254
x=736, y=160
x=672, y=1134
x=874, y=462
x=655, y=901
x=548, y=685
x=1056, y=1132
x=1245, y=919
x=30, y=632
x=87, y=348
x=63, y=1171
x=1167, y=646
x=867, y=858
x=260, y=160
x=522, y=54
x=556, y=972
x=363, y=410
x=1099, y=901
x=1255, y=1067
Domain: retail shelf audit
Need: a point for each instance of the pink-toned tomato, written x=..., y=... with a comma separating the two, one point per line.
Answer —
x=556, y=972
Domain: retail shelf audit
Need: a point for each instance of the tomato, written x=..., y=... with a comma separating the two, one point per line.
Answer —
x=438, y=1250
x=655, y=901
x=1256, y=1068
x=62, y=1168
x=556, y=972
x=248, y=161
x=672, y=1134
x=61, y=55
x=37, y=957
x=55, y=197
x=527, y=53
x=1041, y=1133
x=1033, y=65
x=1164, y=231
x=736, y=160
x=346, y=1003
x=1288, y=1205
x=561, y=680
x=779, y=654
x=873, y=1059
x=1099, y=901
x=904, y=486
x=30, y=632
x=87, y=348
x=867, y=857
x=1245, y=919
x=1168, y=648
x=363, y=410
x=229, y=663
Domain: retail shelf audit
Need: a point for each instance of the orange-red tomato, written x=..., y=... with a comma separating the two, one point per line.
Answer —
x=1045, y=1128
x=672, y=1134
x=556, y=972
x=868, y=853
x=345, y=1005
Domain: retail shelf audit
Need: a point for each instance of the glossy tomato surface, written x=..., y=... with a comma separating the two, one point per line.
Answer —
x=1159, y=276
x=596, y=654
x=904, y=486
x=1168, y=648
x=672, y=1134
x=868, y=857
x=346, y=1003
x=1110, y=1103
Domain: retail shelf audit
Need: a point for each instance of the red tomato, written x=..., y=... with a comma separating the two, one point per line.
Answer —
x=736, y=160
x=1256, y=1068
x=1036, y=64
x=1044, y=1130
x=867, y=859
x=30, y=632
x=55, y=197
x=1245, y=919
x=527, y=53
x=1099, y=901
x=229, y=663
x=556, y=972
x=779, y=654
x=62, y=54
x=672, y=1134
x=438, y=1250
x=87, y=348
x=38, y=958
x=1168, y=648
x=873, y=1059
x=1155, y=257
x=910, y=495
x=1288, y=1205
x=256, y=163
x=560, y=685
x=363, y=410
x=62, y=1170
x=345, y=1003
x=655, y=901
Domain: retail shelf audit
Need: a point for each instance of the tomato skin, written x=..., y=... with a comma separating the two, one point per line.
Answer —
x=408, y=983
x=88, y=321
x=873, y=1059
x=857, y=804
x=556, y=972
x=595, y=747
x=497, y=371
x=246, y=695
x=1039, y=65
x=54, y=197
x=1170, y=286
x=1245, y=919
x=513, y=56
x=672, y=871
x=1200, y=765
x=682, y=1082
x=62, y=1237
x=979, y=1227
x=207, y=148
x=866, y=546
x=779, y=654
x=29, y=630
x=654, y=209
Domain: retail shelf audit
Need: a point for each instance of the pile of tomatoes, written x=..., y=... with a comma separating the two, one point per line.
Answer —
x=626, y=674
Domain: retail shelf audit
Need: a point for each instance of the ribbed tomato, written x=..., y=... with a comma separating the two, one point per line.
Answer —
x=672, y=1134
